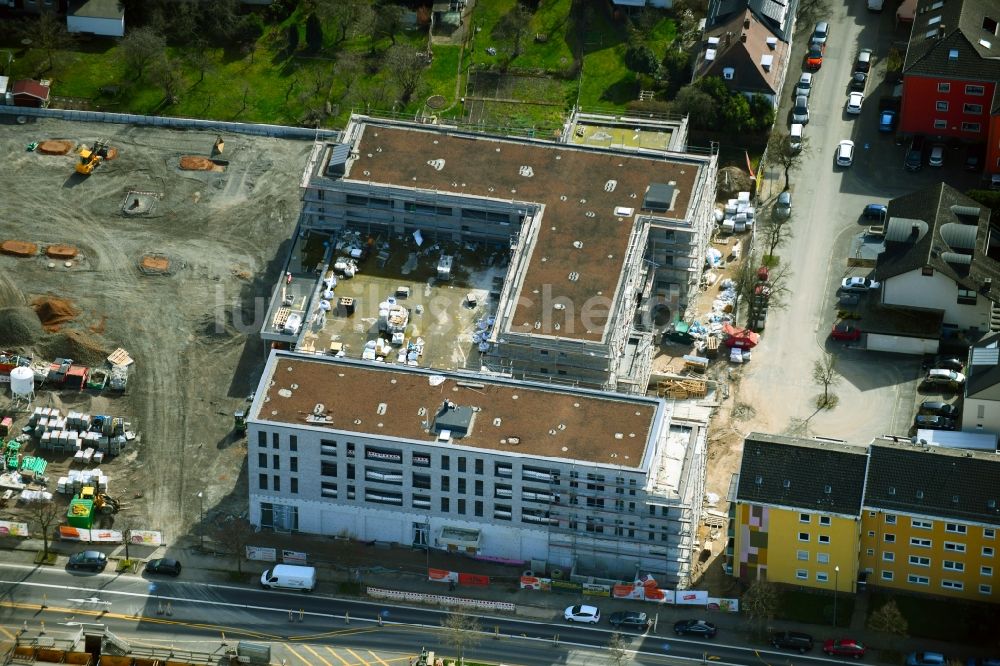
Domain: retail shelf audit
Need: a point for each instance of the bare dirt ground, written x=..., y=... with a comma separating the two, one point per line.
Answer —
x=187, y=326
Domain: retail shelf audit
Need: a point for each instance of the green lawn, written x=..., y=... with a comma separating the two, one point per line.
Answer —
x=814, y=607
x=952, y=621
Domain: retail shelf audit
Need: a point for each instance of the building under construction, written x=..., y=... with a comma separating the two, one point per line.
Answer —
x=600, y=238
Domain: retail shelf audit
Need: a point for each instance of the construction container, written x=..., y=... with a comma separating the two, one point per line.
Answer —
x=80, y=513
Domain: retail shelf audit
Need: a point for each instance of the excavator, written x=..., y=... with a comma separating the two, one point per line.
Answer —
x=92, y=158
x=103, y=503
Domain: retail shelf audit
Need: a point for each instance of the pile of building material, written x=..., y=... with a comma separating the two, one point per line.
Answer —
x=76, y=480
x=738, y=214
x=681, y=388
x=78, y=432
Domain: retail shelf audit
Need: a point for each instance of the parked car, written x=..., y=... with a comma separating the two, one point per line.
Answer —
x=804, y=86
x=783, y=207
x=936, y=158
x=939, y=408
x=946, y=362
x=800, y=112
x=588, y=614
x=695, y=628
x=844, y=647
x=844, y=332
x=887, y=120
x=163, y=565
x=925, y=659
x=792, y=640
x=633, y=619
x=859, y=80
x=88, y=559
x=845, y=153
x=941, y=378
x=864, y=61
x=821, y=33
x=983, y=661
x=814, y=59
x=974, y=157
x=934, y=422
x=854, y=102
x=914, y=159
x=859, y=284
x=874, y=211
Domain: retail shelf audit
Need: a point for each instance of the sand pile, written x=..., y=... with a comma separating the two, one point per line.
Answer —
x=195, y=163
x=61, y=252
x=732, y=180
x=17, y=248
x=19, y=327
x=55, y=147
x=53, y=312
x=84, y=348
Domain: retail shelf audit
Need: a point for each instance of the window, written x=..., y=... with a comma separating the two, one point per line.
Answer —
x=479, y=508
x=294, y=485
x=890, y=519
x=277, y=461
x=974, y=109
x=262, y=460
x=479, y=488
x=920, y=543
x=989, y=533
x=951, y=565
x=350, y=471
x=944, y=87
x=886, y=575
x=277, y=483
x=275, y=440
x=803, y=536
x=918, y=580
x=940, y=106
x=461, y=485
x=262, y=439
x=293, y=443
x=966, y=297
x=921, y=524
x=952, y=585
x=293, y=464
x=987, y=551
x=824, y=538
x=422, y=481
x=446, y=483
x=802, y=574
x=889, y=538
x=479, y=466
x=954, y=547
x=985, y=589
x=461, y=464
x=954, y=528
x=445, y=504
x=262, y=481
x=802, y=555
x=327, y=447
x=822, y=577
x=823, y=558
x=918, y=561
x=971, y=127
x=804, y=517
x=421, y=460
x=870, y=552
x=871, y=534
x=978, y=91
x=889, y=556
x=985, y=571
x=328, y=489
x=461, y=507
x=939, y=124
x=980, y=413
x=327, y=468
x=824, y=521
x=445, y=463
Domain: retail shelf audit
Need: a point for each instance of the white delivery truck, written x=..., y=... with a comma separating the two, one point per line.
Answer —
x=289, y=577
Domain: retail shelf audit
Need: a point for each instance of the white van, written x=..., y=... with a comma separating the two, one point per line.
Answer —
x=795, y=137
x=289, y=577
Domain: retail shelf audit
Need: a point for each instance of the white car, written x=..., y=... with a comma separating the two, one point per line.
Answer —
x=804, y=86
x=845, y=153
x=859, y=284
x=800, y=111
x=589, y=614
x=854, y=102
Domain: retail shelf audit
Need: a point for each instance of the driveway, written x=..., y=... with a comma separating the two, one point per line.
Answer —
x=876, y=391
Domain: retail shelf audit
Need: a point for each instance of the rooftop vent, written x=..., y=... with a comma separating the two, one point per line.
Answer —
x=953, y=54
x=920, y=494
x=766, y=61
x=728, y=73
x=827, y=489
x=892, y=490
x=380, y=410
x=456, y=421
x=954, y=499
x=787, y=484
x=759, y=480
x=772, y=43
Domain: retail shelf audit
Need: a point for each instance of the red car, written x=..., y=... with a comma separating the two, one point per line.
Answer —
x=845, y=332
x=844, y=647
x=814, y=60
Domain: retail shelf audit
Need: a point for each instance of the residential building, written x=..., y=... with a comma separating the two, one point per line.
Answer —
x=950, y=73
x=930, y=520
x=600, y=483
x=791, y=524
x=777, y=15
x=746, y=55
x=98, y=17
x=596, y=236
x=942, y=256
x=981, y=407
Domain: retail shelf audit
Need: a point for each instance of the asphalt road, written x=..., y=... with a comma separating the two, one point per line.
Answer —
x=321, y=630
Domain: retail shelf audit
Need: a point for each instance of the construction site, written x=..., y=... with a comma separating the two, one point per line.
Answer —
x=135, y=268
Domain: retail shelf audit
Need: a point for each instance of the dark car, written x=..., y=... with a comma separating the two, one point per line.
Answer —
x=939, y=408
x=695, y=628
x=946, y=362
x=934, y=422
x=633, y=619
x=845, y=332
x=974, y=158
x=792, y=640
x=88, y=559
x=164, y=566
x=914, y=159
x=859, y=80
x=874, y=211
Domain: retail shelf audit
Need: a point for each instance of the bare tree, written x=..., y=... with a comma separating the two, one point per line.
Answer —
x=512, y=27
x=201, y=61
x=776, y=231
x=389, y=21
x=753, y=294
x=349, y=16
x=760, y=602
x=166, y=73
x=49, y=34
x=406, y=67
x=462, y=632
x=46, y=513
x=825, y=374
x=235, y=534
x=889, y=620
x=618, y=650
x=141, y=48
x=780, y=151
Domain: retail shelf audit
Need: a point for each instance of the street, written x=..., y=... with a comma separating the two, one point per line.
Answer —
x=315, y=629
